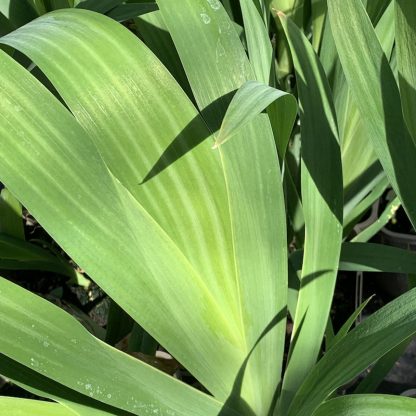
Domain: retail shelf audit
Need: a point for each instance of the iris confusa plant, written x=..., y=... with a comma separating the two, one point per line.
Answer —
x=178, y=191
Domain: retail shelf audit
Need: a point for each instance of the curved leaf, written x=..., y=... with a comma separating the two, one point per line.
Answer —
x=54, y=344
x=152, y=140
x=368, y=405
x=249, y=101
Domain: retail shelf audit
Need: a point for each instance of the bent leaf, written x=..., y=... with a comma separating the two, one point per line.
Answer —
x=250, y=100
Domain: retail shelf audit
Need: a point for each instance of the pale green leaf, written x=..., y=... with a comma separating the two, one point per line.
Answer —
x=368, y=405
x=12, y=406
x=254, y=189
x=249, y=101
x=259, y=47
x=127, y=111
x=42, y=386
x=321, y=178
x=49, y=339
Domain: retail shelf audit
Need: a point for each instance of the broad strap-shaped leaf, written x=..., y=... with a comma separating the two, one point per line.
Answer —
x=42, y=386
x=249, y=101
x=368, y=405
x=154, y=32
x=366, y=343
x=57, y=346
x=153, y=141
x=12, y=406
x=376, y=95
x=45, y=151
x=254, y=189
x=321, y=179
x=405, y=25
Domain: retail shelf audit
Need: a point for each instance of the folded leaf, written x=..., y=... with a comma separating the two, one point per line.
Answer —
x=250, y=100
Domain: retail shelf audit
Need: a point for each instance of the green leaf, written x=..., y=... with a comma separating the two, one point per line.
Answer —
x=368, y=405
x=376, y=95
x=319, y=9
x=156, y=36
x=255, y=192
x=12, y=406
x=42, y=386
x=381, y=368
x=249, y=101
x=100, y=6
x=366, y=343
x=405, y=24
x=259, y=47
x=348, y=324
x=16, y=254
x=119, y=324
x=376, y=8
x=369, y=257
x=381, y=221
x=18, y=12
x=322, y=208
x=11, y=219
x=130, y=11
x=171, y=260
x=49, y=339
x=357, y=206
